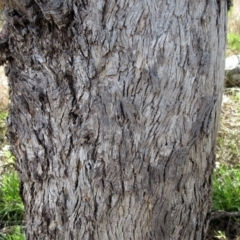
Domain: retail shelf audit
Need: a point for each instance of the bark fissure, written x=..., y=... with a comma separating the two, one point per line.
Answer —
x=113, y=114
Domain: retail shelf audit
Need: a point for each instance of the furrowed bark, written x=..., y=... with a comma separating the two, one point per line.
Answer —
x=114, y=114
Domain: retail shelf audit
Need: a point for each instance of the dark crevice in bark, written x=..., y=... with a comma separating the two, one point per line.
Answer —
x=118, y=146
x=70, y=81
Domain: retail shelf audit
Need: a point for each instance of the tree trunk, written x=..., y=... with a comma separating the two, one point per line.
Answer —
x=114, y=114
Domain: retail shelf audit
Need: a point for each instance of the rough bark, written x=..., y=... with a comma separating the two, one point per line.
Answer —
x=114, y=112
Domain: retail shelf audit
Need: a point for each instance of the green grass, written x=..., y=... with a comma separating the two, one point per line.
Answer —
x=226, y=189
x=233, y=40
x=3, y=115
x=11, y=206
x=14, y=233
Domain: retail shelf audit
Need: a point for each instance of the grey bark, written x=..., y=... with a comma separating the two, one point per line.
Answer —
x=114, y=114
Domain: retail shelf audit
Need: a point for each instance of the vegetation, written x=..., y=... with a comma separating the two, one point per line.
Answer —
x=11, y=206
x=233, y=37
x=14, y=233
x=233, y=40
x=226, y=189
x=228, y=142
x=226, y=178
x=3, y=116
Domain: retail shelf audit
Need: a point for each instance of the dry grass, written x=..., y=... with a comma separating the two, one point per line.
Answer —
x=233, y=25
x=3, y=80
x=228, y=147
x=234, y=18
x=4, y=96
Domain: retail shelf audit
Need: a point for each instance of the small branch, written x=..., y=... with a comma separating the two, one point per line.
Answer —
x=221, y=214
x=11, y=223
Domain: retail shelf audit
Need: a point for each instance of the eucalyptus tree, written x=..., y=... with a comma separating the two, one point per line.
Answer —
x=114, y=114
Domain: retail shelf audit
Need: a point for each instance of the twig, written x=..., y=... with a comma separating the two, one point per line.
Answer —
x=12, y=223
x=220, y=214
